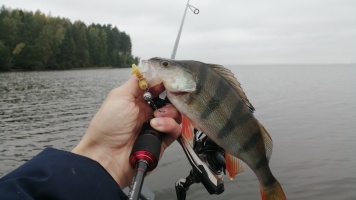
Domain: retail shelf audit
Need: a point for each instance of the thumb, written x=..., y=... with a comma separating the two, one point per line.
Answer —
x=169, y=127
x=131, y=86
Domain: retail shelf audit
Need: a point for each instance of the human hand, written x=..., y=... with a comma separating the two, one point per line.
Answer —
x=115, y=127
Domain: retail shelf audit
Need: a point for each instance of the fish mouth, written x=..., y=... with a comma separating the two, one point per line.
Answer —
x=179, y=93
x=161, y=87
x=150, y=73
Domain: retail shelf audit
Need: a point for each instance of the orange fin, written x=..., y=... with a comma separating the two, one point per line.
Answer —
x=234, y=165
x=272, y=192
x=187, y=128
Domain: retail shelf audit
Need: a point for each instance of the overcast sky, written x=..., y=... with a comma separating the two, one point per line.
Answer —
x=225, y=31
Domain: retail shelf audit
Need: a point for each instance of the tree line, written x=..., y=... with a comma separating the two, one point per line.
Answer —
x=35, y=41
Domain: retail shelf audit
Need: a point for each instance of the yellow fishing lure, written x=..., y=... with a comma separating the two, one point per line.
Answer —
x=141, y=80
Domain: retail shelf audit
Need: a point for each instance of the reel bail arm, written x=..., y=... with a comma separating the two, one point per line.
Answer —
x=207, y=163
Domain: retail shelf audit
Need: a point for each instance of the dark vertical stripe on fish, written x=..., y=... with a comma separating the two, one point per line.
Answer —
x=231, y=123
x=266, y=176
x=203, y=73
x=220, y=93
x=255, y=139
x=269, y=181
x=262, y=162
x=234, y=122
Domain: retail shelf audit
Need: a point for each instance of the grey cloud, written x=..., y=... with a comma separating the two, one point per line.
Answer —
x=229, y=31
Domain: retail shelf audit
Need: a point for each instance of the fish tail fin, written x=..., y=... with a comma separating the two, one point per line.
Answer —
x=272, y=192
x=234, y=165
x=187, y=129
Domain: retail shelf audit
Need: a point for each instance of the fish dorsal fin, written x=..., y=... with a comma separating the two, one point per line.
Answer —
x=229, y=77
x=267, y=140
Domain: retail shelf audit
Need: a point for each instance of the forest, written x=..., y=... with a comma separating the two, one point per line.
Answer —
x=36, y=41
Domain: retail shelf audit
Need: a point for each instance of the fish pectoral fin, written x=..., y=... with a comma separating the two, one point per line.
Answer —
x=187, y=128
x=234, y=165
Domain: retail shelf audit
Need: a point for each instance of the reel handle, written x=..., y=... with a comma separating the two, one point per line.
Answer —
x=144, y=157
x=147, y=147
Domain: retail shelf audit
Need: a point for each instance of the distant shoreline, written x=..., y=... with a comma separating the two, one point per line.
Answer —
x=47, y=70
x=89, y=68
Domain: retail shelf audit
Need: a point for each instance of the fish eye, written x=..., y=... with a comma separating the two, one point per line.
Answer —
x=165, y=63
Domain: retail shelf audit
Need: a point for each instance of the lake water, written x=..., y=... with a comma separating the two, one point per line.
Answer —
x=309, y=111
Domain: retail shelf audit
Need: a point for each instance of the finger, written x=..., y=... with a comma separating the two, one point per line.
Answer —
x=168, y=111
x=157, y=89
x=132, y=87
x=146, y=111
x=168, y=126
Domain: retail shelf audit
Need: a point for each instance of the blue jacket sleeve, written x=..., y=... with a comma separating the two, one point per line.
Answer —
x=56, y=174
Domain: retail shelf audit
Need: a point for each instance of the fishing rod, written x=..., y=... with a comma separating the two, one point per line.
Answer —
x=144, y=157
x=195, y=11
x=146, y=150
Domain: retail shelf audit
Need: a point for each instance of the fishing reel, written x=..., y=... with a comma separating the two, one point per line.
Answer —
x=206, y=158
x=208, y=165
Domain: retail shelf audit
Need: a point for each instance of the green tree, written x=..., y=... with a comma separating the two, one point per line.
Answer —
x=47, y=43
x=10, y=28
x=94, y=45
x=34, y=41
x=82, y=56
x=5, y=57
x=19, y=47
x=65, y=57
